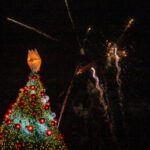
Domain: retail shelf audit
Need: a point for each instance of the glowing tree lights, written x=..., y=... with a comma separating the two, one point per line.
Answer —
x=30, y=123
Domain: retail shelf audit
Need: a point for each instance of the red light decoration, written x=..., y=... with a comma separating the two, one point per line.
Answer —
x=33, y=96
x=32, y=87
x=42, y=94
x=55, y=120
x=34, y=77
x=6, y=116
x=17, y=98
x=48, y=103
x=30, y=128
x=67, y=148
x=32, y=103
x=25, y=87
x=39, y=76
x=1, y=135
x=42, y=83
x=42, y=120
x=61, y=137
x=22, y=101
x=49, y=132
x=25, y=92
x=17, y=126
x=12, y=105
x=19, y=145
x=46, y=107
x=8, y=122
x=9, y=111
x=28, y=77
x=53, y=123
x=21, y=106
x=34, y=113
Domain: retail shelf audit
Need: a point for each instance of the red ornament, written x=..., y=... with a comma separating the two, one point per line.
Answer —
x=25, y=87
x=8, y=122
x=6, y=116
x=28, y=77
x=21, y=106
x=17, y=126
x=19, y=145
x=25, y=92
x=49, y=132
x=32, y=87
x=48, y=103
x=22, y=101
x=42, y=120
x=33, y=96
x=12, y=105
x=32, y=103
x=42, y=83
x=53, y=123
x=1, y=135
x=34, y=113
x=61, y=137
x=34, y=77
x=46, y=107
x=9, y=111
x=30, y=127
x=55, y=120
x=42, y=94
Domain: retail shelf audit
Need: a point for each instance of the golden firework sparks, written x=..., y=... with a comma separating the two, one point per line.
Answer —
x=129, y=24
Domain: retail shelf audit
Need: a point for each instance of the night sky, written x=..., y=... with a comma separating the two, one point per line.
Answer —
x=60, y=58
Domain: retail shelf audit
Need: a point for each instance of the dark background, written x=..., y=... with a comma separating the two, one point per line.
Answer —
x=59, y=59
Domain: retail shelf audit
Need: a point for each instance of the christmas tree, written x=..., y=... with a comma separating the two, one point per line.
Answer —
x=30, y=123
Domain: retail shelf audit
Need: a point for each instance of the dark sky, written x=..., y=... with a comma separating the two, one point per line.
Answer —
x=60, y=58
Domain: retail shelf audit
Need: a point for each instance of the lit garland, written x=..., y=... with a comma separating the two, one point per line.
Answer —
x=30, y=123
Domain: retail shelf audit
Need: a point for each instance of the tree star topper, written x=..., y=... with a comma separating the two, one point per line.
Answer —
x=34, y=60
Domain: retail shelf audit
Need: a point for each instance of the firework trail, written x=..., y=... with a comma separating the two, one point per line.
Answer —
x=118, y=80
x=32, y=28
x=66, y=97
x=115, y=55
x=118, y=67
x=129, y=24
x=105, y=106
x=69, y=14
x=85, y=40
x=96, y=78
x=65, y=101
x=72, y=22
x=126, y=28
x=82, y=69
x=100, y=89
x=89, y=29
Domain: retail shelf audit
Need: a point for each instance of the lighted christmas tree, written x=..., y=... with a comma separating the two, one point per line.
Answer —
x=30, y=123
